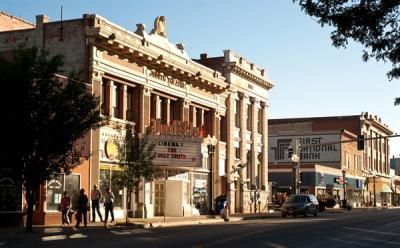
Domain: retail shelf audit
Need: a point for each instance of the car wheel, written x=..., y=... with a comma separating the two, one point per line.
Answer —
x=306, y=212
x=316, y=212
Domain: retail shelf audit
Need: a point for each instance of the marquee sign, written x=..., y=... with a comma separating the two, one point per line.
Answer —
x=177, y=151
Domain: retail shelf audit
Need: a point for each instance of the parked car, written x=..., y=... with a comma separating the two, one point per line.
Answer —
x=300, y=204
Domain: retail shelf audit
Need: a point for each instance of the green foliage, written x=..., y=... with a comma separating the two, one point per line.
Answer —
x=372, y=23
x=44, y=117
x=136, y=157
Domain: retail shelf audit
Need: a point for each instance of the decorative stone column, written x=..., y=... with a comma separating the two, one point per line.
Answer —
x=244, y=101
x=124, y=99
x=144, y=108
x=264, y=132
x=230, y=149
x=94, y=159
x=255, y=177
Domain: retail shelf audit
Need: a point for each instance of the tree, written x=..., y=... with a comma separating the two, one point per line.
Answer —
x=136, y=161
x=44, y=117
x=373, y=23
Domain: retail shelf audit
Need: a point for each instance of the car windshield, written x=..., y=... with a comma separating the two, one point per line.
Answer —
x=298, y=199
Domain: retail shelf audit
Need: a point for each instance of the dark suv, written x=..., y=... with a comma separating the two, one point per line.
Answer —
x=300, y=204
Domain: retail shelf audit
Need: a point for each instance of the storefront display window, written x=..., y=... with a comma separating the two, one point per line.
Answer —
x=200, y=192
x=10, y=193
x=56, y=186
x=107, y=174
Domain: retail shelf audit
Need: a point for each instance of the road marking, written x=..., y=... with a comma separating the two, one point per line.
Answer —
x=77, y=236
x=54, y=237
x=273, y=245
x=132, y=231
x=371, y=231
x=392, y=223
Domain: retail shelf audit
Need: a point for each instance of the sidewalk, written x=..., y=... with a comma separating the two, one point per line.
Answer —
x=159, y=222
x=156, y=222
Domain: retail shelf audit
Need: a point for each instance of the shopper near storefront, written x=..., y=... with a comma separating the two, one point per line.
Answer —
x=95, y=196
x=65, y=206
x=109, y=205
x=82, y=208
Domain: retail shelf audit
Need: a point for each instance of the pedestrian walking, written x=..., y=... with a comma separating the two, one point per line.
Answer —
x=225, y=211
x=65, y=206
x=82, y=208
x=95, y=196
x=109, y=205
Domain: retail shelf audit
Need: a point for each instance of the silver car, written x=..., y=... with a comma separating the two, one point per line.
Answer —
x=304, y=204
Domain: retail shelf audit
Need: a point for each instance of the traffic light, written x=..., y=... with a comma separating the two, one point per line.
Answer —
x=290, y=152
x=360, y=142
x=301, y=177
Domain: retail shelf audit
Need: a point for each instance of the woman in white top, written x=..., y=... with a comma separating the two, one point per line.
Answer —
x=108, y=205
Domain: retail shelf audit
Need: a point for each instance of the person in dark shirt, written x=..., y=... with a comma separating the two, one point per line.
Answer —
x=82, y=208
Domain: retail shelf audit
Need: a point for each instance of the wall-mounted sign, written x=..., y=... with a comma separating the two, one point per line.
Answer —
x=200, y=183
x=321, y=178
x=177, y=151
x=169, y=80
x=315, y=147
x=179, y=128
x=110, y=139
x=111, y=149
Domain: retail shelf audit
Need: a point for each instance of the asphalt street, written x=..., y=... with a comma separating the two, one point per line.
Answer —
x=356, y=228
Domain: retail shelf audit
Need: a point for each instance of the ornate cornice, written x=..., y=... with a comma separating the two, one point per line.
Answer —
x=250, y=76
x=138, y=49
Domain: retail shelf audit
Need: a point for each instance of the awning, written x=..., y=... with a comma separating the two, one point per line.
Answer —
x=386, y=189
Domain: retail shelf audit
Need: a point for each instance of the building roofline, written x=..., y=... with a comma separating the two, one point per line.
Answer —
x=300, y=119
x=19, y=19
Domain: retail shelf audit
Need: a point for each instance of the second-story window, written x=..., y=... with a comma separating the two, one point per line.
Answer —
x=174, y=110
x=103, y=98
x=117, y=100
x=237, y=152
x=130, y=105
x=249, y=117
x=237, y=113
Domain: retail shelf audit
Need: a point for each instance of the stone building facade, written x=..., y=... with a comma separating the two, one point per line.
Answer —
x=208, y=117
x=330, y=162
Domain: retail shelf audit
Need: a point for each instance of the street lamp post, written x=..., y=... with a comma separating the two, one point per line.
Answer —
x=211, y=143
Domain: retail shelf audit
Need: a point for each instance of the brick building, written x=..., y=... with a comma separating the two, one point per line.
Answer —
x=330, y=163
x=209, y=116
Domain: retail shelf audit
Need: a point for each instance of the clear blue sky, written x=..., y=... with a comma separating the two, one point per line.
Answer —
x=312, y=78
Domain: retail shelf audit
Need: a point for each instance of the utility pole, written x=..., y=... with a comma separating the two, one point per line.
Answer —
x=294, y=155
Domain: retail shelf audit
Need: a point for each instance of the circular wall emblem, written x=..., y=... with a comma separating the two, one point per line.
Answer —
x=111, y=148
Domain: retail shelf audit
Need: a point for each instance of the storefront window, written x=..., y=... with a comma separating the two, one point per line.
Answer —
x=10, y=193
x=200, y=192
x=58, y=185
x=107, y=173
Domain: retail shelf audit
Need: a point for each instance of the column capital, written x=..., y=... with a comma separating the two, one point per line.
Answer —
x=186, y=102
x=146, y=90
x=243, y=95
x=264, y=104
x=97, y=75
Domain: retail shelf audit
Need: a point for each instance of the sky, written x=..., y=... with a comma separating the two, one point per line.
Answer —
x=311, y=77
